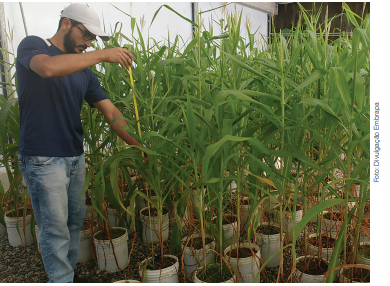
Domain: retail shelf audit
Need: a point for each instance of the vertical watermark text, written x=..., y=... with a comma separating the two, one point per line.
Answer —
x=377, y=143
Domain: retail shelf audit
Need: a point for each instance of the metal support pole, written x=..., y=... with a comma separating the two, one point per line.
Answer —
x=24, y=20
x=194, y=18
x=3, y=45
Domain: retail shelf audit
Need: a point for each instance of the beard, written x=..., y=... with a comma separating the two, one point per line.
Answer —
x=70, y=44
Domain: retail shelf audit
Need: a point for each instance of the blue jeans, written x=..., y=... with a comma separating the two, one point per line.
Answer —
x=55, y=186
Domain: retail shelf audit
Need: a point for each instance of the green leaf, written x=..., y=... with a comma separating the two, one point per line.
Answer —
x=212, y=149
x=169, y=8
x=314, y=76
x=342, y=85
x=191, y=125
x=334, y=259
x=315, y=210
x=322, y=103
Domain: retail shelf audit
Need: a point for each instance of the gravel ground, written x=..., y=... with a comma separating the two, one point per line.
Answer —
x=19, y=265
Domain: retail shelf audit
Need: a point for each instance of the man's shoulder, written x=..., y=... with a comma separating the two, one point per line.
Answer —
x=32, y=40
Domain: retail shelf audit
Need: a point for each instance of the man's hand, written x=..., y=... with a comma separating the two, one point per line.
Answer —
x=119, y=55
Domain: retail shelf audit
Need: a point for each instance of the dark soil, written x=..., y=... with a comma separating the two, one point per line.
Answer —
x=364, y=251
x=298, y=208
x=268, y=230
x=313, y=266
x=358, y=274
x=20, y=213
x=197, y=244
x=229, y=220
x=213, y=274
x=115, y=233
x=327, y=242
x=336, y=216
x=153, y=212
x=87, y=224
x=242, y=252
x=157, y=263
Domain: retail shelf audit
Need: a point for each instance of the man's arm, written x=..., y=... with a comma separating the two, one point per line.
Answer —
x=110, y=111
x=67, y=64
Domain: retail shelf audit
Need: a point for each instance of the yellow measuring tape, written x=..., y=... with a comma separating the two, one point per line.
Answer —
x=135, y=103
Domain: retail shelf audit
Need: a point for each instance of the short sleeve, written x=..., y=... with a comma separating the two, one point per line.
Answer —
x=95, y=91
x=29, y=47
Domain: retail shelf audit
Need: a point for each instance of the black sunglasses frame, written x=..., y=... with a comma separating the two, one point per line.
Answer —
x=86, y=35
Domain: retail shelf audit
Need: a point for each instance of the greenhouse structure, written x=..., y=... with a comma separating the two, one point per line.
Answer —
x=176, y=142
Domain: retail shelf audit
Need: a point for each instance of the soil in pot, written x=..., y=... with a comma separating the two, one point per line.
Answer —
x=157, y=263
x=196, y=242
x=87, y=224
x=364, y=251
x=287, y=209
x=312, y=266
x=358, y=274
x=153, y=212
x=213, y=274
x=229, y=219
x=242, y=252
x=336, y=216
x=268, y=230
x=115, y=233
x=326, y=242
x=19, y=213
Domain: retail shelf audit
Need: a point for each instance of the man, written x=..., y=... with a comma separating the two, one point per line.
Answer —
x=53, y=80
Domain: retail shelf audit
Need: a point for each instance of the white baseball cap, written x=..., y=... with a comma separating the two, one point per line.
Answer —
x=86, y=16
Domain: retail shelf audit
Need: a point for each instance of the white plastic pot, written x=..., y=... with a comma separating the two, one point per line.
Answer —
x=306, y=278
x=15, y=224
x=330, y=226
x=129, y=224
x=127, y=281
x=246, y=268
x=150, y=227
x=344, y=279
x=195, y=200
x=88, y=212
x=364, y=237
x=230, y=229
x=193, y=258
x=269, y=244
x=196, y=279
x=143, y=203
x=85, y=253
x=113, y=220
x=287, y=223
x=245, y=216
x=232, y=186
x=341, y=206
x=166, y=275
x=267, y=205
x=326, y=253
x=107, y=252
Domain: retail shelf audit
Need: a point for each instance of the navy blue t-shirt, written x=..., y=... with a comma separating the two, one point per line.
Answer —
x=50, y=123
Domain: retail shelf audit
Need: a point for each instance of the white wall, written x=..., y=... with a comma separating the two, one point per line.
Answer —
x=258, y=19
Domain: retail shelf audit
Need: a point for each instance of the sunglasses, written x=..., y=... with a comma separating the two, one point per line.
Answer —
x=86, y=35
